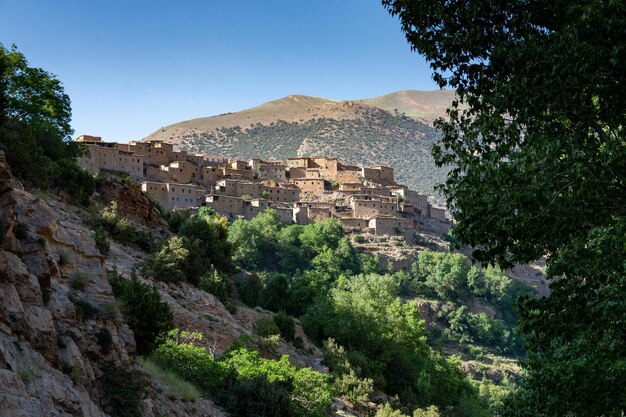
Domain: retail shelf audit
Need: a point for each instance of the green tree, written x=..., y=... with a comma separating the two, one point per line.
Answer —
x=146, y=314
x=35, y=129
x=537, y=151
x=205, y=235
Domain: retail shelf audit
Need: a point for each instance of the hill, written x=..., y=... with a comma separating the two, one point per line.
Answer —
x=369, y=132
x=426, y=106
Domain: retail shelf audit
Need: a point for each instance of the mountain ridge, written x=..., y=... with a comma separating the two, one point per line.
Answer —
x=394, y=130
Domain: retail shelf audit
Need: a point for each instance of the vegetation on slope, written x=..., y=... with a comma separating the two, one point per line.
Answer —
x=376, y=138
x=537, y=170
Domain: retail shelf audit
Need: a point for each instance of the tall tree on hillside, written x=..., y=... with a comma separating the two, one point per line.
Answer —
x=537, y=151
x=35, y=130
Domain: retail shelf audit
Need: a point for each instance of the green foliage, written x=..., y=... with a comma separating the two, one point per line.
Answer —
x=257, y=396
x=100, y=237
x=310, y=392
x=79, y=281
x=74, y=180
x=431, y=411
x=144, y=311
x=213, y=282
x=192, y=363
x=285, y=324
x=354, y=389
x=168, y=263
x=276, y=292
x=445, y=274
x=120, y=393
x=176, y=218
x=169, y=382
x=265, y=326
x=205, y=236
x=35, y=131
x=250, y=289
x=387, y=411
x=536, y=144
x=122, y=230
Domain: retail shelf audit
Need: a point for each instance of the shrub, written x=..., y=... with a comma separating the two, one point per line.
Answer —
x=169, y=382
x=285, y=324
x=265, y=326
x=84, y=309
x=353, y=388
x=359, y=239
x=75, y=180
x=276, y=292
x=122, y=230
x=147, y=316
x=190, y=362
x=214, y=283
x=79, y=281
x=310, y=392
x=431, y=411
x=100, y=237
x=298, y=343
x=169, y=262
x=258, y=397
x=387, y=411
x=120, y=393
x=250, y=289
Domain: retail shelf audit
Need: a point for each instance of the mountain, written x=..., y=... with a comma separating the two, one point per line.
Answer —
x=394, y=130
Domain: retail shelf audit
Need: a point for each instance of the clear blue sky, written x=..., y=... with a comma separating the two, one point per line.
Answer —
x=131, y=67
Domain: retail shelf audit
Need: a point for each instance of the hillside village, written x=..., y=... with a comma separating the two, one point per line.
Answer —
x=302, y=190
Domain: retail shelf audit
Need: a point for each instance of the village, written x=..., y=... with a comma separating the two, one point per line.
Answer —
x=302, y=190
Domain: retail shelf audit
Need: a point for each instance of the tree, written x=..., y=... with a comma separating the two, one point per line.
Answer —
x=535, y=141
x=35, y=129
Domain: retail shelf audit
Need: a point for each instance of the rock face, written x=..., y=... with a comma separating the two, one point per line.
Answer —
x=131, y=202
x=55, y=305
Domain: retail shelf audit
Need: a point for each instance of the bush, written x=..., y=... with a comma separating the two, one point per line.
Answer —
x=169, y=382
x=84, y=309
x=79, y=281
x=265, y=326
x=120, y=393
x=310, y=392
x=276, y=293
x=250, y=289
x=168, y=263
x=298, y=342
x=353, y=388
x=100, y=237
x=122, y=230
x=258, y=397
x=75, y=180
x=147, y=316
x=213, y=283
x=190, y=362
x=285, y=324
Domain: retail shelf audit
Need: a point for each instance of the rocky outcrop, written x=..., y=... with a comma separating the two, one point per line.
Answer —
x=60, y=328
x=132, y=203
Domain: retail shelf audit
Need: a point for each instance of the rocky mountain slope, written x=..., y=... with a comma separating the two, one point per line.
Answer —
x=394, y=130
x=62, y=336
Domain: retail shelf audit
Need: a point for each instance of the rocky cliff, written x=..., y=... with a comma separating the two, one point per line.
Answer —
x=62, y=335
x=60, y=329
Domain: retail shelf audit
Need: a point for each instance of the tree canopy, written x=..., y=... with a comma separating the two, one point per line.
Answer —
x=35, y=131
x=535, y=142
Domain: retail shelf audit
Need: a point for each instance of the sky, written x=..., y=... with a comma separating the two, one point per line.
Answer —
x=131, y=67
